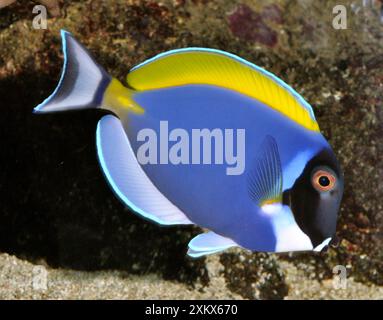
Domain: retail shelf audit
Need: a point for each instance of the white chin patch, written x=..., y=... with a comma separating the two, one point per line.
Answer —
x=319, y=247
x=272, y=209
x=288, y=234
x=292, y=238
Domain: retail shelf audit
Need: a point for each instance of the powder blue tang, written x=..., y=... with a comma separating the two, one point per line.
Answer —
x=281, y=193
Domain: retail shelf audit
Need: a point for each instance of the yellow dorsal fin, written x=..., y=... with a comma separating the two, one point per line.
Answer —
x=213, y=67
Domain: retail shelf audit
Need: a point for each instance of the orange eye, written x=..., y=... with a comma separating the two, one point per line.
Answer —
x=323, y=180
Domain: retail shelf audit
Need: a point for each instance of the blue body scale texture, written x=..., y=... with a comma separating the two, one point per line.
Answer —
x=208, y=196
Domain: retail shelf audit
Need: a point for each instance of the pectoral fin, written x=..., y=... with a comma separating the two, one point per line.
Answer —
x=265, y=177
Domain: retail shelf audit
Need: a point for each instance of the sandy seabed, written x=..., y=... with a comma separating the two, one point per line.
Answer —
x=23, y=280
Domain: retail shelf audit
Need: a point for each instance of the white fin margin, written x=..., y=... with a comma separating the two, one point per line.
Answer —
x=80, y=80
x=209, y=243
x=128, y=179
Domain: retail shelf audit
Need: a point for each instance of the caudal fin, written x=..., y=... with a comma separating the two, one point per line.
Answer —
x=82, y=83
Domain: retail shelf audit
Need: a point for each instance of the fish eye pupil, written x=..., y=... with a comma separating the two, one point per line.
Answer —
x=324, y=181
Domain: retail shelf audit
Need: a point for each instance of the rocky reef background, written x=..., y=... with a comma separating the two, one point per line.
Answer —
x=59, y=218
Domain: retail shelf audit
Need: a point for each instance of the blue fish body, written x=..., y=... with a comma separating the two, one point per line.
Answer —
x=287, y=194
x=224, y=204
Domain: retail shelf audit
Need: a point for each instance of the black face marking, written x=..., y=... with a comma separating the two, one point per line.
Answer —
x=316, y=212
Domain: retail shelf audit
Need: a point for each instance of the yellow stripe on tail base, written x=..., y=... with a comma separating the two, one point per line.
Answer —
x=117, y=96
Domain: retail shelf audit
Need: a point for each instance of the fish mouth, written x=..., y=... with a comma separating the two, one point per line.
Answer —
x=323, y=246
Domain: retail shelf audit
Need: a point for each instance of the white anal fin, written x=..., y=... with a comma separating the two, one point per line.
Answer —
x=209, y=243
x=128, y=179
